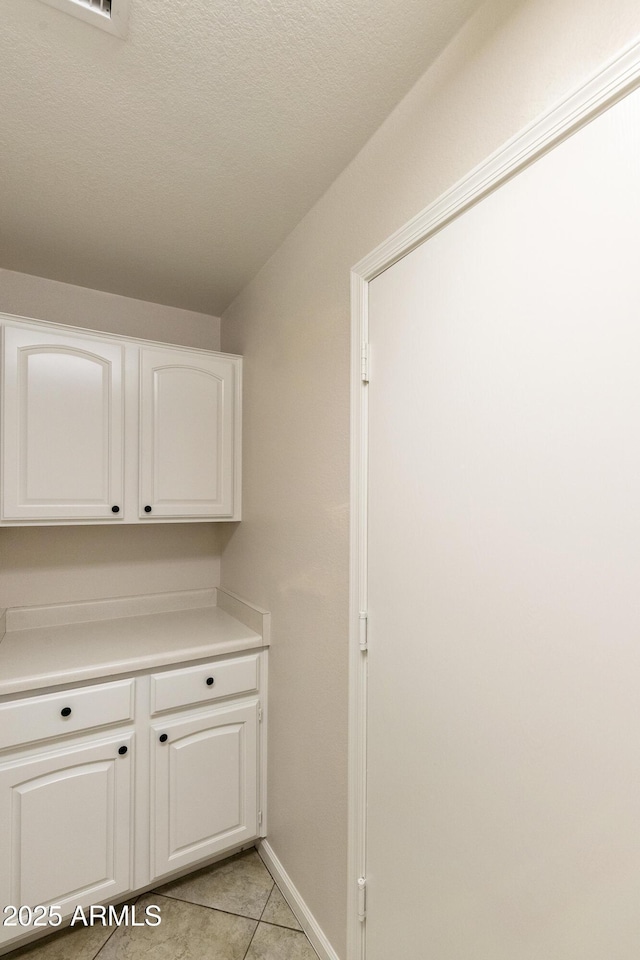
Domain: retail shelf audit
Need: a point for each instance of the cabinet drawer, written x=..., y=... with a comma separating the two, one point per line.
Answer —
x=56, y=714
x=204, y=683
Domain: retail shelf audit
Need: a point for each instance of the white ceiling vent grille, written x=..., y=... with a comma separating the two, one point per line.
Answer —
x=104, y=6
x=109, y=15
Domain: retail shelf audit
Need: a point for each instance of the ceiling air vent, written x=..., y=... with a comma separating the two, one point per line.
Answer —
x=104, y=6
x=109, y=15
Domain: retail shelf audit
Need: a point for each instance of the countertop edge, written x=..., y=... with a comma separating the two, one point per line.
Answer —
x=114, y=669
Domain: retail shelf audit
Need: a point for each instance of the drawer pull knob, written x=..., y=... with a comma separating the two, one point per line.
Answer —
x=122, y=751
x=65, y=712
x=147, y=509
x=115, y=509
x=163, y=738
x=210, y=681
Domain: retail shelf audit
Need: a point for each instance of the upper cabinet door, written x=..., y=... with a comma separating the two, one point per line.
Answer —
x=188, y=434
x=62, y=427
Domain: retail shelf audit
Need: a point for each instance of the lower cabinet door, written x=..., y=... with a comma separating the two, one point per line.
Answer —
x=206, y=785
x=66, y=830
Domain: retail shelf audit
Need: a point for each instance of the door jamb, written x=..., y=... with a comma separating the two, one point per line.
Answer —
x=616, y=79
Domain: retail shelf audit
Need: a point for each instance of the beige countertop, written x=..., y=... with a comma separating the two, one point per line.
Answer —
x=67, y=643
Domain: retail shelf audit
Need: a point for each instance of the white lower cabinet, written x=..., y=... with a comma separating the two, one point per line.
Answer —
x=76, y=800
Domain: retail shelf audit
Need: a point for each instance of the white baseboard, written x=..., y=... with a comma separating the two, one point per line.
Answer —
x=302, y=912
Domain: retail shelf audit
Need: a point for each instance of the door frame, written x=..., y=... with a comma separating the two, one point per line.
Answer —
x=618, y=77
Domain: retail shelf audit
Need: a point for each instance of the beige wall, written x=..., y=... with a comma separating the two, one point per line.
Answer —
x=43, y=299
x=56, y=564
x=511, y=62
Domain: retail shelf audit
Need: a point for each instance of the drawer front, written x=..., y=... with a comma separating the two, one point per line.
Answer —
x=204, y=683
x=57, y=714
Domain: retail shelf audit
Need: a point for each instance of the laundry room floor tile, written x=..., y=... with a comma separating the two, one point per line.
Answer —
x=279, y=912
x=187, y=931
x=232, y=910
x=241, y=885
x=279, y=943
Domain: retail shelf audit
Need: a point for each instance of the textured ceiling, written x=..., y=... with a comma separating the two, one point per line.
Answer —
x=170, y=165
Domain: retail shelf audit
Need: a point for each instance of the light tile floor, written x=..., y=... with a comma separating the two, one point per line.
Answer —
x=230, y=911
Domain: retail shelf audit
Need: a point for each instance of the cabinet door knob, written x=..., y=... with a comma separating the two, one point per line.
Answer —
x=122, y=751
x=65, y=712
x=115, y=509
x=163, y=738
x=210, y=681
x=147, y=509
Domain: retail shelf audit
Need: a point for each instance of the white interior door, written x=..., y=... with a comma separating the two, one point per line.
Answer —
x=504, y=571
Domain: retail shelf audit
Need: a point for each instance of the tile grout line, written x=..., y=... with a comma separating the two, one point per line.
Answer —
x=273, y=883
x=258, y=921
x=297, y=929
x=206, y=906
x=231, y=913
x=96, y=955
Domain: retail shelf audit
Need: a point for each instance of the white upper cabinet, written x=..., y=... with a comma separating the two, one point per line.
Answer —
x=63, y=427
x=98, y=428
x=187, y=418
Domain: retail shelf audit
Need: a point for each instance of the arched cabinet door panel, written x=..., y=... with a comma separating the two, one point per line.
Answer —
x=204, y=785
x=62, y=427
x=66, y=827
x=188, y=434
